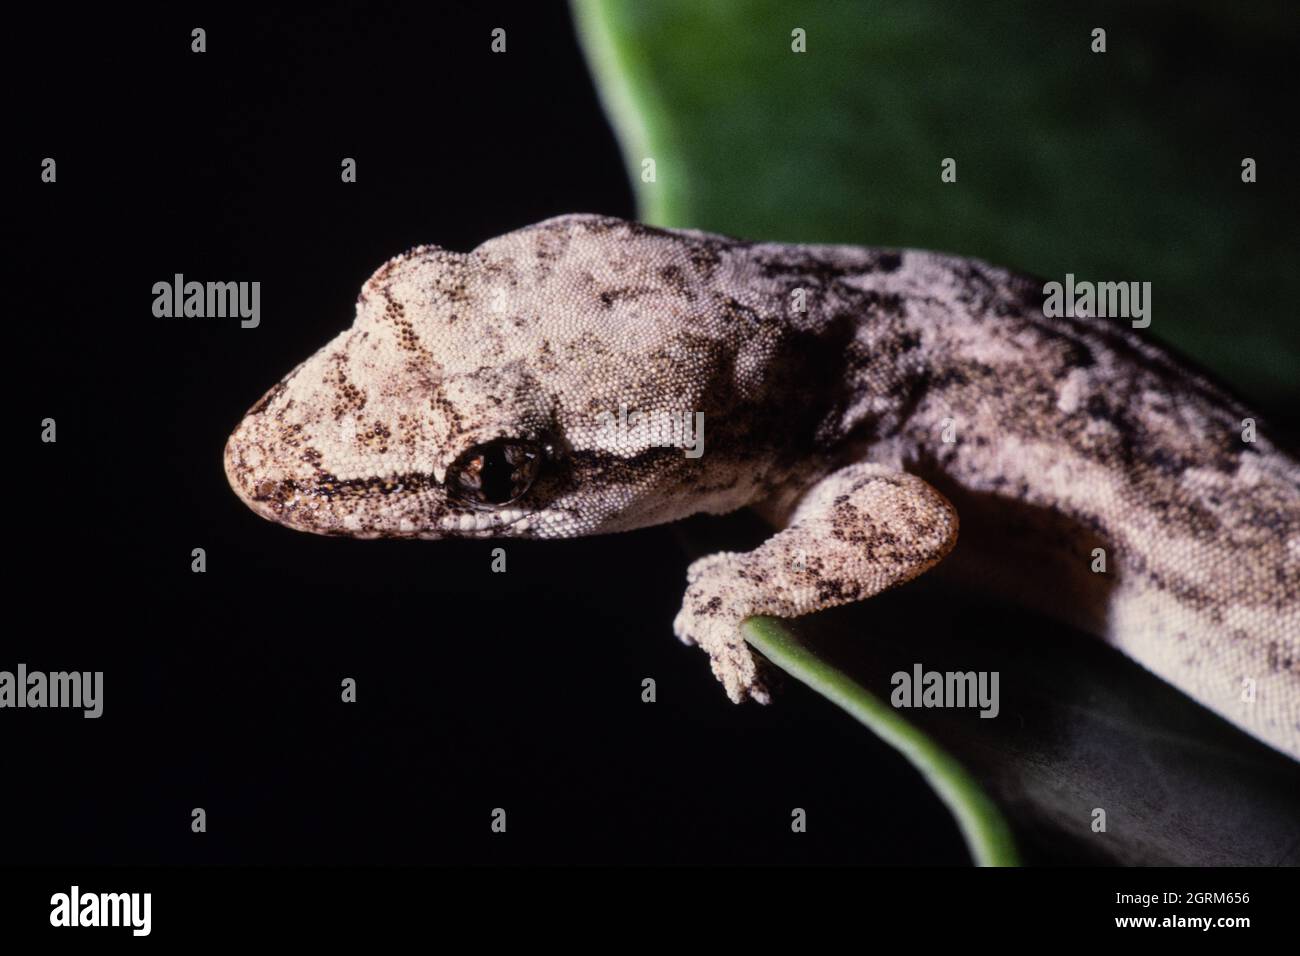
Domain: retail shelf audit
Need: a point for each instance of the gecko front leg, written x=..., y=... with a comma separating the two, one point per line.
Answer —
x=856, y=532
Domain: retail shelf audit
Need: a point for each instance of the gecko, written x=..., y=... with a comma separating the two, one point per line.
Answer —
x=864, y=401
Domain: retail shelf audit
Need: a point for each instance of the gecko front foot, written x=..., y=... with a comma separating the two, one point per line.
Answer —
x=711, y=615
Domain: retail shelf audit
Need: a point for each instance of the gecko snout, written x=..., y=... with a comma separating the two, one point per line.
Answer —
x=255, y=467
x=245, y=462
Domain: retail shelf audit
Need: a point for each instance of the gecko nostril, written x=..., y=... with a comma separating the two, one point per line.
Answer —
x=264, y=489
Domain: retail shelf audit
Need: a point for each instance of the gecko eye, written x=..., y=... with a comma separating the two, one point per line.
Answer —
x=494, y=473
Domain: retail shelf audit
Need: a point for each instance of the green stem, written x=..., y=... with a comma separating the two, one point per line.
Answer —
x=985, y=829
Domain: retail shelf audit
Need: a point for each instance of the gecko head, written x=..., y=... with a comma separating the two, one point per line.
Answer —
x=412, y=423
x=472, y=398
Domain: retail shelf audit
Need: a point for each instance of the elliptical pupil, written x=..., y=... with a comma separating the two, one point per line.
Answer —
x=498, y=477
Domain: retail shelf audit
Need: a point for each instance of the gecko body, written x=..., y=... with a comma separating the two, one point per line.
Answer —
x=863, y=400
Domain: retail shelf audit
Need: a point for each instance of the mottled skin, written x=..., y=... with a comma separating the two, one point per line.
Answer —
x=909, y=388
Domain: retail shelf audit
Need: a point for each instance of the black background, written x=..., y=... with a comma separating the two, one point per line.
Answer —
x=222, y=690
